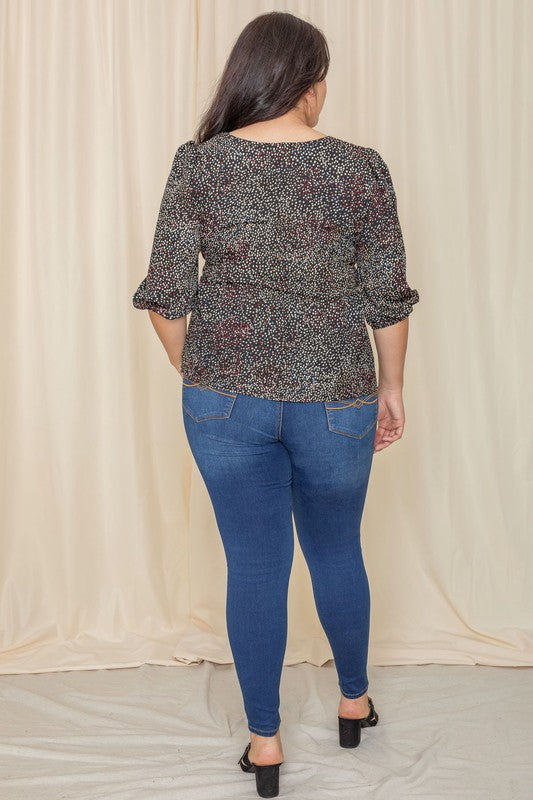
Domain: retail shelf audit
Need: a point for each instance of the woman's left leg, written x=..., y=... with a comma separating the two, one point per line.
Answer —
x=247, y=473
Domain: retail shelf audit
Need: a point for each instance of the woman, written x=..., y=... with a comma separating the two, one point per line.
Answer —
x=281, y=404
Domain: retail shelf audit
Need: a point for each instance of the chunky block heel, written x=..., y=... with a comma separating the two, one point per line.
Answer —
x=266, y=775
x=350, y=729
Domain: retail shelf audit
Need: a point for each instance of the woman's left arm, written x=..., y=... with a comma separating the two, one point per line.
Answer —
x=172, y=334
x=169, y=290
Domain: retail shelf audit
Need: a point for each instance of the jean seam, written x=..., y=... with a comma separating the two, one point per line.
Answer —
x=279, y=420
x=226, y=415
x=258, y=730
x=335, y=429
x=354, y=695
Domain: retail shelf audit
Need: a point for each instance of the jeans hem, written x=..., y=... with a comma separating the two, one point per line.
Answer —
x=353, y=696
x=261, y=732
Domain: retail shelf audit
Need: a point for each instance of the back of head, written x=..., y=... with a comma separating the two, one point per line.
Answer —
x=275, y=59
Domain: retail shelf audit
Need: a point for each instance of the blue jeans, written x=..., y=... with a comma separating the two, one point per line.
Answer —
x=263, y=461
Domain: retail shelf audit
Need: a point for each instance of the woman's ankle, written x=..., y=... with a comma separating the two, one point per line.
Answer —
x=265, y=749
x=359, y=706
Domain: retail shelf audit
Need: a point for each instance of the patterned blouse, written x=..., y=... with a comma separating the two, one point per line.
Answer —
x=302, y=245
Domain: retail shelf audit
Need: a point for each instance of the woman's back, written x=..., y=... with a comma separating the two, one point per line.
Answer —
x=302, y=244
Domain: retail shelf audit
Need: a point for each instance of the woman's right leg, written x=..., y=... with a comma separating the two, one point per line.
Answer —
x=247, y=473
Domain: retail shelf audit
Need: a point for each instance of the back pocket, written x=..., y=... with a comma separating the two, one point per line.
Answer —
x=201, y=402
x=355, y=416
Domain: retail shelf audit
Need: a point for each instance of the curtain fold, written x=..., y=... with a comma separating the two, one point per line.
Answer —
x=110, y=554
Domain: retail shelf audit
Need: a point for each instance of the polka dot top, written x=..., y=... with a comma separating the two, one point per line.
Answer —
x=302, y=247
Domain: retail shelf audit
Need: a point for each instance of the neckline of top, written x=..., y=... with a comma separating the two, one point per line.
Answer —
x=255, y=141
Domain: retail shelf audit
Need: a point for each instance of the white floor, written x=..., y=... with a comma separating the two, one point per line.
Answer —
x=154, y=732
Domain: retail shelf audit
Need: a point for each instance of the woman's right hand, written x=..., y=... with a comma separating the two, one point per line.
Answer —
x=391, y=418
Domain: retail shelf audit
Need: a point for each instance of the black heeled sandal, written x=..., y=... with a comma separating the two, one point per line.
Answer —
x=350, y=729
x=266, y=775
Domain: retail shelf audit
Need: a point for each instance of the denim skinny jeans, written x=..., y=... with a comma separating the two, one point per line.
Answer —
x=262, y=462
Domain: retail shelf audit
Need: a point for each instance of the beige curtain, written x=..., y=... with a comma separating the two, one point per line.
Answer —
x=110, y=554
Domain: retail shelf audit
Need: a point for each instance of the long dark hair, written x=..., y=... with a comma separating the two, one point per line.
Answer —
x=275, y=59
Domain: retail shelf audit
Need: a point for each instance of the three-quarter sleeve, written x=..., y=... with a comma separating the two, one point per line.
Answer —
x=171, y=284
x=380, y=251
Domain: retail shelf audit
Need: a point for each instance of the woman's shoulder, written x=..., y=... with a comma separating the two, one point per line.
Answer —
x=365, y=159
x=185, y=155
x=355, y=154
x=187, y=150
x=367, y=154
